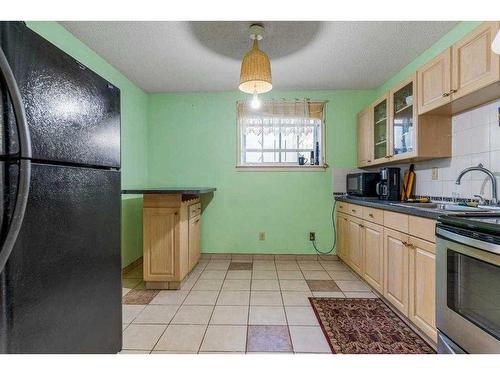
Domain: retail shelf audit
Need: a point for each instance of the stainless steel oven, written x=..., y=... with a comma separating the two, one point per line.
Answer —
x=468, y=285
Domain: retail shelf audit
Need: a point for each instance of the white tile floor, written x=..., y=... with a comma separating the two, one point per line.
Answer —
x=223, y=307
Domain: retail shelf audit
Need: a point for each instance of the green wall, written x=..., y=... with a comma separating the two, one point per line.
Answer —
x=134, y=130
x=192, y=141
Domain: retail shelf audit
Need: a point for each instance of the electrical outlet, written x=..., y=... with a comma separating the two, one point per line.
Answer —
x=312, y=236
x=434, y=173
x=262, y=236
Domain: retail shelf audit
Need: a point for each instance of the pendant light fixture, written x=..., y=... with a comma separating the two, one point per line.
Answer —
x=255, y=75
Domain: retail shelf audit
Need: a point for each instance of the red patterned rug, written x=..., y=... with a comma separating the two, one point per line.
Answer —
x=365, y=326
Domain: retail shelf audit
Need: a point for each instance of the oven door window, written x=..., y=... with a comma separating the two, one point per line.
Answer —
x=473, y=291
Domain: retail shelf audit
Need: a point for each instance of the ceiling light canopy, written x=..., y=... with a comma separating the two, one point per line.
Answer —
x=255, y=76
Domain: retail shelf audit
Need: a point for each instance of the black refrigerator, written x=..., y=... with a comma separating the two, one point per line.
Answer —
x=60, y=262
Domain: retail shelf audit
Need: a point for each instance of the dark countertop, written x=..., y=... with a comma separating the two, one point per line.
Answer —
x=386, y=205
x=171, y=190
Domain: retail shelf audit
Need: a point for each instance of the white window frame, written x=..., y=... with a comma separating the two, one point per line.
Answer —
x=282, y=166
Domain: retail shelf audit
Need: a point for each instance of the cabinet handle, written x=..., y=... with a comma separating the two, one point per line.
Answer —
x=370, y=215
x=353, y=211
x=446, y=94
x=369, y=161
x=197, y=221
x=404, y=243
x=452, y=91
x=410, y=245
x=361, y=225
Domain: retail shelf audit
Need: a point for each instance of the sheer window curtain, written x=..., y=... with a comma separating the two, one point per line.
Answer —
x=279, y=128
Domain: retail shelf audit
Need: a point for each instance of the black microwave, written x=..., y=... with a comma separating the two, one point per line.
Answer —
x=362, y=184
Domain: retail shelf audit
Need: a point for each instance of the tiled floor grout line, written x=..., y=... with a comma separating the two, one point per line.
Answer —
x=176, y=311
x=213, y=309
x=286, y=315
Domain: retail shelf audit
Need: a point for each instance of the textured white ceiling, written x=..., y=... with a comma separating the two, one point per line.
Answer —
x=205, y=56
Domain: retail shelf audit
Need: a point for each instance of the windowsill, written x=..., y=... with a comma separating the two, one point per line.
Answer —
x=281, y=168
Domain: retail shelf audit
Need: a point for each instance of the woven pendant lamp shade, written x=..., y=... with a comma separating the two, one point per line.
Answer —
x=255, y=76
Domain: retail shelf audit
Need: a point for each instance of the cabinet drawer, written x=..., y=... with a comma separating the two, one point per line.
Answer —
x=194, y=210
x=373, y=215
x=422, y=228
x=343, y=207
x=356, y=210
x=397, y=221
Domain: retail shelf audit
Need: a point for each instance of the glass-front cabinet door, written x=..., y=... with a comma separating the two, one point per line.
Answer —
x=381, y=129
x=403, y=120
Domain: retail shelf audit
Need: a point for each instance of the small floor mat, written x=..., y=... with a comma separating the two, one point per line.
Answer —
x=365, y=326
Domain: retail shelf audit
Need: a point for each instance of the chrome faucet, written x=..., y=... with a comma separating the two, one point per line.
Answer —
x=492, y=177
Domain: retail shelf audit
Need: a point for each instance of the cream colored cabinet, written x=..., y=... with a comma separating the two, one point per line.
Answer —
x=395, y=254
x=399, y=133
x=403, y=120
x=396, y=269
x=373, y=271
x=194, y=241
x=373, y=247
x=355, y=243
x=422, y=277
x=381, y=135
x=365, y=130
x=171, y=239
x=434, y=83
x=341, y=244
x=161, y=243
x=474, y=64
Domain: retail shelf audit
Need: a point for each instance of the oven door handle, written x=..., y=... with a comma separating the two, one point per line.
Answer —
x=481, y=249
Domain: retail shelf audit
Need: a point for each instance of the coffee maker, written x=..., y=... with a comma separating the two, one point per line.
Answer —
x=389, y=186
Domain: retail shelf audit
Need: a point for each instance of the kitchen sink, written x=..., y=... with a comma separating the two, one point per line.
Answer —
x=446, y=207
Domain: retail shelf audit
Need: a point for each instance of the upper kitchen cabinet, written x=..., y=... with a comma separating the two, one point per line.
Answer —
x=464, y=76
x=397, y=133
x=474, y=64
x=434, y=83
x=365, y=131
x=380, y=140
x=403, y=121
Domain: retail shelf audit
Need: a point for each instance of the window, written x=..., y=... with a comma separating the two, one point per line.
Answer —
x=279, y=132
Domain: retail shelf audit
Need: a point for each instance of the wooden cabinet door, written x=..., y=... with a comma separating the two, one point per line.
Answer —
x=380, y=114
x=355, y=243
x=341, y=242
x=194, y=241
x=434, y=83
x=365, y=138
x=373, y=271
x=475, y=65
x=161, y=241
x=403, y=120
x=422, y=304
x=396, y=269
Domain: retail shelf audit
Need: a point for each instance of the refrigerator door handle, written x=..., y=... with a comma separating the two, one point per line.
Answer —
x=18, y=214
x=17, y=103
x=24, y=165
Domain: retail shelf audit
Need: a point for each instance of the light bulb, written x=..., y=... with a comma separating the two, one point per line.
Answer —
x=255, y=102
x=495, y=46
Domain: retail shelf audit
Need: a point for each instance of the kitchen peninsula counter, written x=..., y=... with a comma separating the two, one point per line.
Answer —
x=171, y=232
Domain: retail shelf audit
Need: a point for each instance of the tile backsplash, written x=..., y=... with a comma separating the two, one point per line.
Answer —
x=475, y=139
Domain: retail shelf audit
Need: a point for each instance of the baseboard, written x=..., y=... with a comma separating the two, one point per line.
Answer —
x=132, y=265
